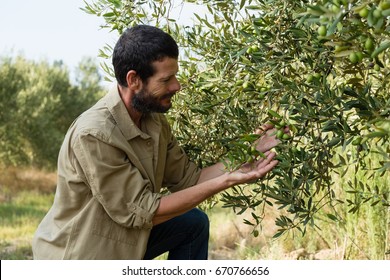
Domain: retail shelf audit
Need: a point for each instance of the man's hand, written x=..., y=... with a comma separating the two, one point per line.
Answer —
x=250, y=172
x=268, y=138
x=213, y=180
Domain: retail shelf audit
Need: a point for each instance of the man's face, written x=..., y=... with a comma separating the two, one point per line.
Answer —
x=156, y=94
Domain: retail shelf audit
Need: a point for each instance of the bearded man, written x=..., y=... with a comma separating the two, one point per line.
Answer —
x=118, y=155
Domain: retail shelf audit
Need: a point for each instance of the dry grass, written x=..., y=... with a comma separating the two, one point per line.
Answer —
x=25, y=196
x=17, y=179
x=232, y=239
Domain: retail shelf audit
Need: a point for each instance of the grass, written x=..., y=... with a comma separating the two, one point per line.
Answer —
x=25, y=197
x=19, y=219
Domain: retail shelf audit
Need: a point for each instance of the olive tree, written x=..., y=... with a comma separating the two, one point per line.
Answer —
x=319, y=67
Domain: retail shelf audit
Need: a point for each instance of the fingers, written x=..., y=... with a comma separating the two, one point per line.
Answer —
x=264, y=165
x=286, y=130
x=265, y=161
x=250, y=173
x=269, y=126
x=264, y=128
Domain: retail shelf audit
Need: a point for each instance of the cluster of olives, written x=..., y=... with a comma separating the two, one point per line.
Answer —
x=252, y=49
x=280, y=134
x=280, y=124
x=374, y=13
x=378, y=12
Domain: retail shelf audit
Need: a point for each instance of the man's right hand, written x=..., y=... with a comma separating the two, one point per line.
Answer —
x=253, y=171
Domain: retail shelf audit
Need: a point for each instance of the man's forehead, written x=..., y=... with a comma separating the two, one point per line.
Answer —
x=165, y=65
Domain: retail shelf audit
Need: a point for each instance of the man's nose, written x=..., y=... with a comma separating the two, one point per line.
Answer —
x=175, y=85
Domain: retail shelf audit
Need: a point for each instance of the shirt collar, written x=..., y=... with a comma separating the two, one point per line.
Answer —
x=119, y=112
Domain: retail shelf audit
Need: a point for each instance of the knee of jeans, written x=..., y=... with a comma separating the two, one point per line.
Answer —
x=200, y=220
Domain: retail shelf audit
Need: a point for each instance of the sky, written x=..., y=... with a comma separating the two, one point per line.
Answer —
x=51, y=30
x=54, y=30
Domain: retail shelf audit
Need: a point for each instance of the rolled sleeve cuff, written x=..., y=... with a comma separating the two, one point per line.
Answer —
x=142, y=218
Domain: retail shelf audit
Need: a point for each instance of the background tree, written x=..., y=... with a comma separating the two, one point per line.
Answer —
x=38, y=103
x=320, y=67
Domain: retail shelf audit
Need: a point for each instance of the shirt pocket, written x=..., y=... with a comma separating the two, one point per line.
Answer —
x=105, y=227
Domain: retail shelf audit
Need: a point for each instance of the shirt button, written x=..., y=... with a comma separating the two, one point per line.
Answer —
x=149, y=143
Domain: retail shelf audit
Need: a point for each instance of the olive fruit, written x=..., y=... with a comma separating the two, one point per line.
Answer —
x=369, y=44
x=353, y=57
x=377, y=13
x=384, y=5
x=357, y=141
x=364, y=12
x=322, y=30
x=360, y=56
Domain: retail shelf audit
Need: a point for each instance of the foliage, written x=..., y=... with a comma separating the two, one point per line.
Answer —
x=38, y=103
x=320, y=67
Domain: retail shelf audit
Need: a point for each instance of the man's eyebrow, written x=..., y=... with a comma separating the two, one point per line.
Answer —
x=167, y=77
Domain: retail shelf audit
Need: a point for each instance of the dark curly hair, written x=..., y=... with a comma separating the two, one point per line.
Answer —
x=138, y=47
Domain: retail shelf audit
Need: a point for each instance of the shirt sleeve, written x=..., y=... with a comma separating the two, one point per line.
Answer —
x=126, y=196
x=180, y=172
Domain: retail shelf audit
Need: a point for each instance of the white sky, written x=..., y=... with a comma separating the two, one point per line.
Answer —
x=50, y=29
x=54, y=30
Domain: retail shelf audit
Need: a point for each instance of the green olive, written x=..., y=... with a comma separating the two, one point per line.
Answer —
x=253, y=150
x=369, y=44
x=377, y=13
x=254, y=48
x=335, y=9
x=360, y=56
x=338, y=48
x=238, y=83
x=384, y=5
x=364, y=12
x=317, y=75
x=322, y=30
x=353, y=57
x=357, y=141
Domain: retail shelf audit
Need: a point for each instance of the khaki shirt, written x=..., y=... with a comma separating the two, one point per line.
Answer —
x=109, y=178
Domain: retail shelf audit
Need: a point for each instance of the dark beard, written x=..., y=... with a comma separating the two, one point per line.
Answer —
x=144, y=102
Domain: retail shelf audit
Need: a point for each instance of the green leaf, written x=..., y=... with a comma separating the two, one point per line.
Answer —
x=382, y=47
x=332, y=217
x=278, y=234
x=242, y=3
x=334, y=142
x=272, y=113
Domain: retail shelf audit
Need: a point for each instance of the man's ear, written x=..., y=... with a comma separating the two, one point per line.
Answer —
x=134, y=82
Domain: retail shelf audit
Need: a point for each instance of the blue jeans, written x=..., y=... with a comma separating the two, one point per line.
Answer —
x=185, y=237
